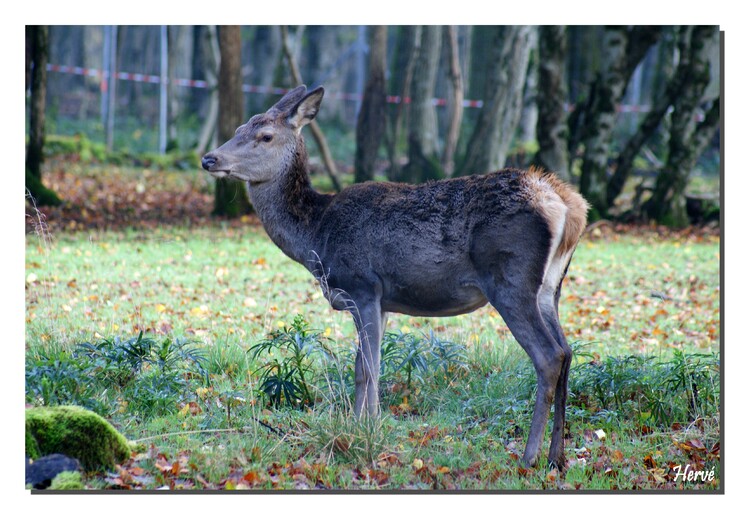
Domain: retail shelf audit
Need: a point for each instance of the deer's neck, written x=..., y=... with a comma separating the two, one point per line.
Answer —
x=290, y=209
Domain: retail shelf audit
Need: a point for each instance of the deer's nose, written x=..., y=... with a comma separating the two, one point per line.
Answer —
x=208, y=162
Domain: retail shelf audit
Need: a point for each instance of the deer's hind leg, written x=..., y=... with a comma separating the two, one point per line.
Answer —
x=521, y=314
x=548, y=299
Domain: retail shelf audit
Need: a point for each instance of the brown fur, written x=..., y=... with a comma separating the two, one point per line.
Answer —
x=545, y=187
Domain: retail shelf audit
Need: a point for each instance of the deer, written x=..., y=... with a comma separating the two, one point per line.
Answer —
x=441, y=248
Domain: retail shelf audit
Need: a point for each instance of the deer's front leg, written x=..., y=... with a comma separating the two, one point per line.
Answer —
x=368, y=319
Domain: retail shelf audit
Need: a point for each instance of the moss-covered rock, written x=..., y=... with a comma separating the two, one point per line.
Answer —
x=67, y=480
x=76, y=432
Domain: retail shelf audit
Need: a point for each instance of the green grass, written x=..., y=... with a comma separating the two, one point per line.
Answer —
x=640, y=297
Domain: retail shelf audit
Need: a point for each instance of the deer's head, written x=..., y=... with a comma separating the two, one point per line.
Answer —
x=264, y=148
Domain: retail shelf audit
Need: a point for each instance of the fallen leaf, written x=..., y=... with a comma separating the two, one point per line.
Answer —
x=251, y=478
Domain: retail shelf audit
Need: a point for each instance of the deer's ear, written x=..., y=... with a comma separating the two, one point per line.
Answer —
x=289, y=100
x=306, y=109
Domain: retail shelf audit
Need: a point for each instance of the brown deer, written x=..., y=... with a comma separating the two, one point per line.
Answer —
x=436, y=249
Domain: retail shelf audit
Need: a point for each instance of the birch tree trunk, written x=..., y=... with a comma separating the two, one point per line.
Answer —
x=623, y=49
x=231, y=196
x=497, y=122
x=552, y=127
x=371, y=118
x=687, y=137
x=674, y=87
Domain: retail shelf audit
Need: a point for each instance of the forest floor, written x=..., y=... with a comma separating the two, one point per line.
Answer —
x=136, y=251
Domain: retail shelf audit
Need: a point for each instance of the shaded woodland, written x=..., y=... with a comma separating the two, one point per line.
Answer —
x=628, y=114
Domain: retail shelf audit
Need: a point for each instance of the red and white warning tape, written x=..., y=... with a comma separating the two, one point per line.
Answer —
x=197, y=83
x=258, y=89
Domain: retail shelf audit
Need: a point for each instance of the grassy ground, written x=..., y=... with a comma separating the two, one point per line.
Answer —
x=642, y=307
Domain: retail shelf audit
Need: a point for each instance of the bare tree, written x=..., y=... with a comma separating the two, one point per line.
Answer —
x=552, y=128
x=371, y=119
x=37, y=51
x=503, y=89
x=231, y=197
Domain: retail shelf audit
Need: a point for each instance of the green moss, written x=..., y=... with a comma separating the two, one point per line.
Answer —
x=67, y=480
x=75, y=432
x=32, y=448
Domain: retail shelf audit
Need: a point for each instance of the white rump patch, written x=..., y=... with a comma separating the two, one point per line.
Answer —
x=556, y=260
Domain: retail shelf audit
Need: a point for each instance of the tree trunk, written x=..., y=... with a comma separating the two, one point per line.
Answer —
x=179, y=65
x=456, y=100
x=371, y=120
x=231, y=196
x=623, y=49
x=37, y=37
x=407, y=48
x=674, y=88
x=265, y=54
x=212, y=58
x=529, y=106
x=506, y=73
x=552, y=128
x=423, y=140
x=314, y=126
x=687, y=139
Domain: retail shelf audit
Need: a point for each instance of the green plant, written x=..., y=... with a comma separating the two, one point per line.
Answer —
x=286, y=380
x=661, y=393
x=124, y=359
x=57, y=378
x=417, y=357
x=147, y=375
x=447, y=356
x=405, y=352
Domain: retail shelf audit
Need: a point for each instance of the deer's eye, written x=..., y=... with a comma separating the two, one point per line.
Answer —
x=266, y=138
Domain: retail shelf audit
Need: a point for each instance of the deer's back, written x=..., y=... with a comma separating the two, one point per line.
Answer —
x=440, y=214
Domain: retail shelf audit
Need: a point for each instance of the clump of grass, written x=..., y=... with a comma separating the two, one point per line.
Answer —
x=342, y=438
